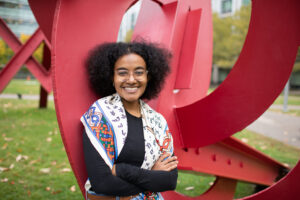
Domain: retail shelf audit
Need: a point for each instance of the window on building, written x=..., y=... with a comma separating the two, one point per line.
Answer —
x=132, y=21
x=245, y=2
x=226, y=6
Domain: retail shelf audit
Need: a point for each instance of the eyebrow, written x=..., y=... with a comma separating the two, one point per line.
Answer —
x=123, y=68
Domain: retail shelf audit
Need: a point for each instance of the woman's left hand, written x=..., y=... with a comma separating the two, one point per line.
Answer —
x=166, y=162
x=113, y=170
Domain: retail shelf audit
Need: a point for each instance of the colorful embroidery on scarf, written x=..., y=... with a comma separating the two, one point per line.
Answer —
x=102, y=131
x=150, y=196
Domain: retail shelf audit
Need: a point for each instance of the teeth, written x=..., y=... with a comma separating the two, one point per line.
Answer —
x=127, y=89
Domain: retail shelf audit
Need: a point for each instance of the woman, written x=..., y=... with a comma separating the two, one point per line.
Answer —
x=127, y=145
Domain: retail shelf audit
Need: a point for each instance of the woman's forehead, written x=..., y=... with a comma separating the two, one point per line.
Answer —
x=130, y=61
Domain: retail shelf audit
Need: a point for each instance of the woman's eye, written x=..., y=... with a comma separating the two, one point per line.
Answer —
x=139, y=73
x=122, y=73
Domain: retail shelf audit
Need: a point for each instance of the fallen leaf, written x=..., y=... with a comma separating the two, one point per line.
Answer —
x=245, y=140
x=3, y=169
x=8, y=139
x=12, y=182
x=48, y=188
x=4, y=180
x=56, y=192
x=286, y=165
x=73, y=189
x=19, y=150
x=49, y=139
x=65, y=170
x=4, y=146
x=189, y=188
x=53, y=163
x=28, y=192
x=19, y=157
x=33, y=161
x=21, y=181
x=11, y=166
x=210, y=183
x=45, y=170
x=263, y=147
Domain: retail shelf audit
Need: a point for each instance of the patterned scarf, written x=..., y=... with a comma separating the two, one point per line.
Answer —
x=105, y=123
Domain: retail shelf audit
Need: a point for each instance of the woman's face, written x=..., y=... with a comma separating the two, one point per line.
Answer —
x=130, y=77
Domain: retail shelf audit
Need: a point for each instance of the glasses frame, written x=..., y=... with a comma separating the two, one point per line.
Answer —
x=131, y=73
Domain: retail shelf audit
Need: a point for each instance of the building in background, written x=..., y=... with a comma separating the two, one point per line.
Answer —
x=18, y=16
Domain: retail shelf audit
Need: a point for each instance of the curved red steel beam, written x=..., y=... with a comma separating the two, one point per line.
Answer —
x=257, y=78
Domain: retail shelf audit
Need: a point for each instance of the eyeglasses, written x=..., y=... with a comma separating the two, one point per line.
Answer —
x=137, y=74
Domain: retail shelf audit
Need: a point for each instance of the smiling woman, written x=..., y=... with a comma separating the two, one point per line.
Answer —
x=128, y=146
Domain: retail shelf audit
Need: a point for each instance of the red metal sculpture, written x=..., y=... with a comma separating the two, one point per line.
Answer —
x=196, y=120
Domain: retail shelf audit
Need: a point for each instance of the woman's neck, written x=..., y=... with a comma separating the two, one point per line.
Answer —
x=132, y=107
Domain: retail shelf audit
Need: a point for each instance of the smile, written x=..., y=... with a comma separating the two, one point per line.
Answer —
x=130, y=89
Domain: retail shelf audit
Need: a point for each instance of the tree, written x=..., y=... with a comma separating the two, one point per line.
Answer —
x=5, y=53
x=229, y=36
x=128, y=35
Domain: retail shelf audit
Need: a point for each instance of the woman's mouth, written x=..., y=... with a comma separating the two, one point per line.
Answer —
x=130, y=89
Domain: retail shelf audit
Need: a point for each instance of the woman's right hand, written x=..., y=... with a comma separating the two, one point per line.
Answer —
x=165, y=163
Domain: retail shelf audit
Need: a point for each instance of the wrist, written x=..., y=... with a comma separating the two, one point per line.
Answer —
x=113, y=170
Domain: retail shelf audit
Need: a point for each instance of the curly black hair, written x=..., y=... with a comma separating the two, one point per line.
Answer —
x=102, y=59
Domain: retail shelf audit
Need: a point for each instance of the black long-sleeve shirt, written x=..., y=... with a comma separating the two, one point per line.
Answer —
x=130, y=179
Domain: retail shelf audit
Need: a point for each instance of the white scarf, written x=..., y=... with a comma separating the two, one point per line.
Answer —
x=105, y=123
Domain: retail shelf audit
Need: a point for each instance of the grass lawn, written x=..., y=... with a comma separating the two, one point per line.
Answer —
x=290, y=112
x=33, y=161
x=293, y=99
x=20, y=86
x=34, y=165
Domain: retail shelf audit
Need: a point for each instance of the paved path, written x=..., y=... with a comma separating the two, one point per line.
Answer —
x=282, y=127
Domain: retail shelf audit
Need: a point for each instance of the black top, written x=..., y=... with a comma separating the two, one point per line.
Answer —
x=130, y=179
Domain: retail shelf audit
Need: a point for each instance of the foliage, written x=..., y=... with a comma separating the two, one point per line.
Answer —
x=128, y=35
x=5, y=53
x=228, y=36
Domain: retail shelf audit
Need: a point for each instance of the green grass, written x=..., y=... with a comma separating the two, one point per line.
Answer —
x=292, y=100
x=192, y=183
x=28, y=131
x=277, y=150
x=20, y=86
x=32, y=133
